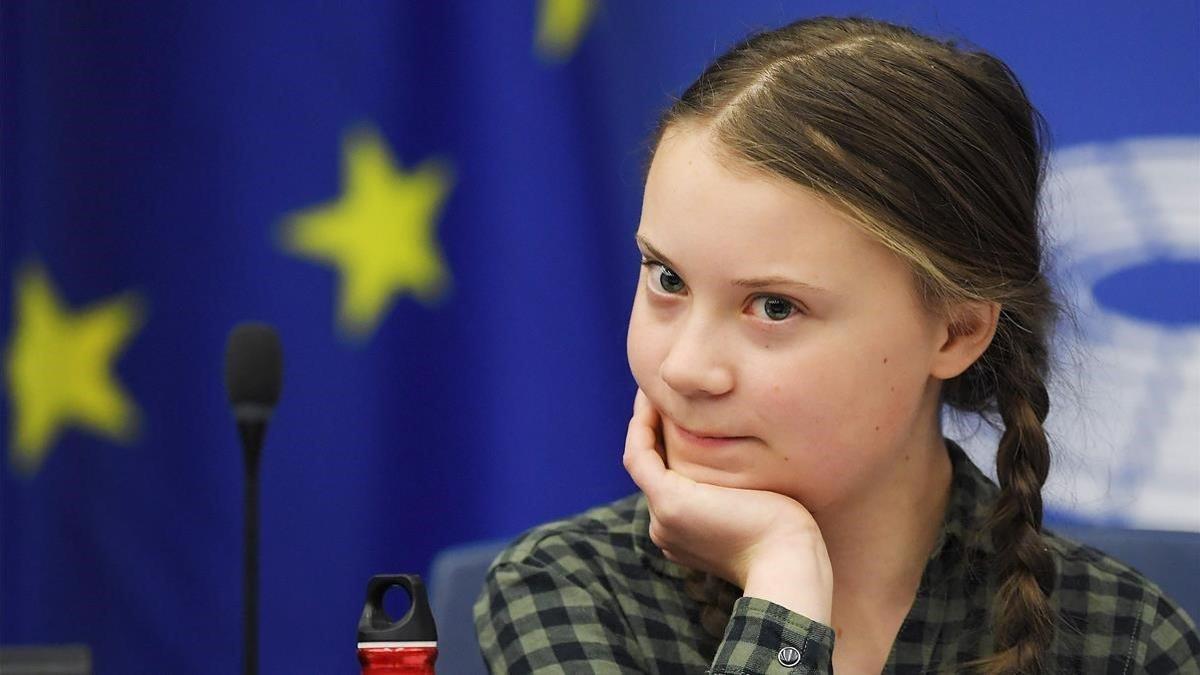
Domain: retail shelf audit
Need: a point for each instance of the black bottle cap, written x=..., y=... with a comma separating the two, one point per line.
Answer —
x=415, y=626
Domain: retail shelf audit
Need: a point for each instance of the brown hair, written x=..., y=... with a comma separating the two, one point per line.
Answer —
x=937, y=152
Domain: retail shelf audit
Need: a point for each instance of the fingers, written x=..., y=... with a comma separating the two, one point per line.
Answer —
x=642, y=457
x=644, y=423
x=652, y=419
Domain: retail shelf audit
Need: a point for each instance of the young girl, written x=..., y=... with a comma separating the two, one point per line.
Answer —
x=839, y=237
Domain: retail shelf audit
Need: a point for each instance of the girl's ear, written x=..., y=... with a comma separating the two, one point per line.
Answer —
x=964, y=334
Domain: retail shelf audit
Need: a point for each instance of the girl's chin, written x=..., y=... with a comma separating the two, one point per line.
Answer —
x=713, y=475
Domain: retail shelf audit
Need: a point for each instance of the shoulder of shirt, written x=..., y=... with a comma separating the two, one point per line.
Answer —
x=1091, y=581
x=604, y=533
x=1079, y=559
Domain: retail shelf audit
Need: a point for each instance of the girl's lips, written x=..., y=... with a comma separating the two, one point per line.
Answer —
x=706, y=441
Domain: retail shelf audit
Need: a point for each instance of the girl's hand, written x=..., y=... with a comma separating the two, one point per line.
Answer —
x=763, y=542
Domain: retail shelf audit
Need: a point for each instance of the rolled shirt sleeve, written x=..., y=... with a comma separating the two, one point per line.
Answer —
x=766, y=638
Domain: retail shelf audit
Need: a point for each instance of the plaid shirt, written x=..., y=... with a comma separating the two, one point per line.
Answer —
x=592, y=594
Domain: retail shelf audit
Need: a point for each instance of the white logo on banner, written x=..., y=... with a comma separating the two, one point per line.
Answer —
x=1125, y=399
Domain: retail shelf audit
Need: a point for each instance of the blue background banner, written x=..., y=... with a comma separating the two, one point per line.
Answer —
x=435, y=204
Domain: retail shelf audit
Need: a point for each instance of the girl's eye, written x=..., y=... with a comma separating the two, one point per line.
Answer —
x=662, y=278
x=774, y=307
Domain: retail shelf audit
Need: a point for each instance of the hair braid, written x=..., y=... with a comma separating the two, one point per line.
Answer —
x=1024, y=620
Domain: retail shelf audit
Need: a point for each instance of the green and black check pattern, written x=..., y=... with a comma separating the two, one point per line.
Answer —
x=592, y=594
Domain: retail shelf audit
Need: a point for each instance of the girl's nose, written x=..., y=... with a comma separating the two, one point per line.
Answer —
x=696, y=364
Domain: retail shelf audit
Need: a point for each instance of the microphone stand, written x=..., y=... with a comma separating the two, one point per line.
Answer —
x=252, y=433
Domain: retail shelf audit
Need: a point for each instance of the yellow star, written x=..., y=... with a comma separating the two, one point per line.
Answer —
x=379, y=233
x=59, y=368
x=561, y=25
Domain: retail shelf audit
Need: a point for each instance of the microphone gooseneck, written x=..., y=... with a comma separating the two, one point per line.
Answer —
x=253, y=380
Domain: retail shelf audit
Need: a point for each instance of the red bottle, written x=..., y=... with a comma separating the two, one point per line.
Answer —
x=390, y=647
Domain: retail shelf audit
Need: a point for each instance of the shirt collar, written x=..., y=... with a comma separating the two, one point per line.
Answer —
x=972, y=495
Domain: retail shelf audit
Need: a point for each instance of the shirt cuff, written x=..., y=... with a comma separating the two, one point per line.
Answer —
x=763, y=637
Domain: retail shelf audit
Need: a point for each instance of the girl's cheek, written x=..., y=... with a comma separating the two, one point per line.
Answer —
x=645, y=353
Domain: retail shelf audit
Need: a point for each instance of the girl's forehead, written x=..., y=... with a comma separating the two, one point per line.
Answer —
x=699, y=203
x=718, y=223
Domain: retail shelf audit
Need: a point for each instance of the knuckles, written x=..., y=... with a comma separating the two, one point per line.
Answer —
x=656, y=534
x=667, y=514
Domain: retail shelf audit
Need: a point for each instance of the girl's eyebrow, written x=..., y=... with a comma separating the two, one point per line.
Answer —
x=764, y=282
x=647, y=247
x=753, y=282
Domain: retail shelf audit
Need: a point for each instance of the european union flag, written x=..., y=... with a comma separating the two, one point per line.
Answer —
x=435, y=204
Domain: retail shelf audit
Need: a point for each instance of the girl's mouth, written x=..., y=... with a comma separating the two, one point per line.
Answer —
x=706, y=439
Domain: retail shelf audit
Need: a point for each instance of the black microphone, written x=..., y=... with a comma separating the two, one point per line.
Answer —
x=253, y=379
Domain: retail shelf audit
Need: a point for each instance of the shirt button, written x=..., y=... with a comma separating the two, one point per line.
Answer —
x=789, y=656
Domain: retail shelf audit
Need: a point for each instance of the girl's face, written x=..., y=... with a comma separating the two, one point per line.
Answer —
x=785, y=349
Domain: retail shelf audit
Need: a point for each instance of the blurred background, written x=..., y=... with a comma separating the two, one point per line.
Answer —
x=435, y=203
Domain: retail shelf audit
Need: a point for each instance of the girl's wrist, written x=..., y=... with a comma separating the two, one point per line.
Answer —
x=800, y=579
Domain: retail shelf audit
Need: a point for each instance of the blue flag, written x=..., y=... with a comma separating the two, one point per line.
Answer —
x=435, y=204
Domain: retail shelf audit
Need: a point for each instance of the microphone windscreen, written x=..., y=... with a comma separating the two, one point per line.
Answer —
x=253, y=365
